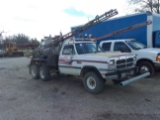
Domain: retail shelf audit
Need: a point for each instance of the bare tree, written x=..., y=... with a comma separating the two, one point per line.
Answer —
x=1, y=37
x=1, y=33
x=146, y=5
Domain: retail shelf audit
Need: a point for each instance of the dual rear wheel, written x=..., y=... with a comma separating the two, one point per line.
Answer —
x=41, y=72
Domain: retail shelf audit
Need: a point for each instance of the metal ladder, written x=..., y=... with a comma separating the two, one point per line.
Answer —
x=124, y=30
x=91, y=23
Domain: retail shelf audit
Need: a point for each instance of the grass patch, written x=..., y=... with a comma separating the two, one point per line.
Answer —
x=27, y=53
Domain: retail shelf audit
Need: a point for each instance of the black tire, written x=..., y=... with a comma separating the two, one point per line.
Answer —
x=146, y=66
x=93, y=83
x=34, y=70
x=44, y=73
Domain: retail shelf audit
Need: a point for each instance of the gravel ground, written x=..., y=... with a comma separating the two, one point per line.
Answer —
x=64, y=97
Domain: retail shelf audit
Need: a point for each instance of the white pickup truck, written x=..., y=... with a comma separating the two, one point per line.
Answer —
x=85, y=59
x=148, y=59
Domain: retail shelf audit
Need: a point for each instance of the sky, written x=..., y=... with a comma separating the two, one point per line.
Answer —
x=39, y=18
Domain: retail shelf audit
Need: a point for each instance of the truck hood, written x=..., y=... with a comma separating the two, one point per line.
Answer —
x=149, y=50
x=105, y=56
x=112, y=54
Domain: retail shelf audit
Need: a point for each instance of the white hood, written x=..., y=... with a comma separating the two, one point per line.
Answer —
x=149, y=50
x=105, y=56
x=147, y=53
x=112, y=54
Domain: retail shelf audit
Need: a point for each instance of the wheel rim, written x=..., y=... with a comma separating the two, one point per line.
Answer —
x=144, y=69
x=33, y=71
x=42, y=74
x=91, y=83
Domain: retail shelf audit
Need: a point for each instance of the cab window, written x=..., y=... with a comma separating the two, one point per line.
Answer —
x=106, y=46
x=120, y=46
x=68, y=50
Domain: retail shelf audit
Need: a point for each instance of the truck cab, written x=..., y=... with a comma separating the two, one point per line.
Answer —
x=77, y=55
x=148, y=59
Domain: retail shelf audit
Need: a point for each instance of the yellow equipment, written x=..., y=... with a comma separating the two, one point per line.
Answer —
x=11, y=49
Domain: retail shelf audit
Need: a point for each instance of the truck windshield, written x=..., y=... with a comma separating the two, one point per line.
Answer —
x=135, y=45
x=84, y=48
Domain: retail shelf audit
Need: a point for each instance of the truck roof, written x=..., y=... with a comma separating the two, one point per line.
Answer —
x=119, y=40
x=78, y=40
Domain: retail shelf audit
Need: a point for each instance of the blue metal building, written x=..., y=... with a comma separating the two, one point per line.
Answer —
x=148, y=35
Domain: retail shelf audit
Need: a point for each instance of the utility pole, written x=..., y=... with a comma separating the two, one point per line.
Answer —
x=1, y=37
x=151, y=5
x=158, y=8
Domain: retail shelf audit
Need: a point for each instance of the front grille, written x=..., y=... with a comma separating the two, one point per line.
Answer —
x=120, y=66
x=121, y=61
x=124, y=63
x=130, y=60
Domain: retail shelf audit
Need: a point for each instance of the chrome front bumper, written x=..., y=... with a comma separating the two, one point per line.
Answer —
x=120, y=74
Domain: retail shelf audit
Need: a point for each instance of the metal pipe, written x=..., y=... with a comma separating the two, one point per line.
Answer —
x=126, y=82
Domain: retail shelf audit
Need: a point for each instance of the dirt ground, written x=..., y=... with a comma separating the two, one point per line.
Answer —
x=64, y=97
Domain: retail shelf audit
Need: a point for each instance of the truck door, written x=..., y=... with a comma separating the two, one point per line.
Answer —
x=66, y=60
x=156, y=39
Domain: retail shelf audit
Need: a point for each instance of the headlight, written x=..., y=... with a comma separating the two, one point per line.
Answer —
x=135, y=57
x=158, y=57
x=111, y=62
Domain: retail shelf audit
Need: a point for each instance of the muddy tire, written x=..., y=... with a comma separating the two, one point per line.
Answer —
x=146, y=66
x=34, y=70
x=44, y=73
x=93, y=83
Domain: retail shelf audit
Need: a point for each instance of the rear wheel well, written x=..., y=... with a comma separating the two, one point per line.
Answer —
x=37, y=62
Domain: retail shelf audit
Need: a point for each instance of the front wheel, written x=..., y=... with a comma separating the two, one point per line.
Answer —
x=146, y=67
x=93, y=83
